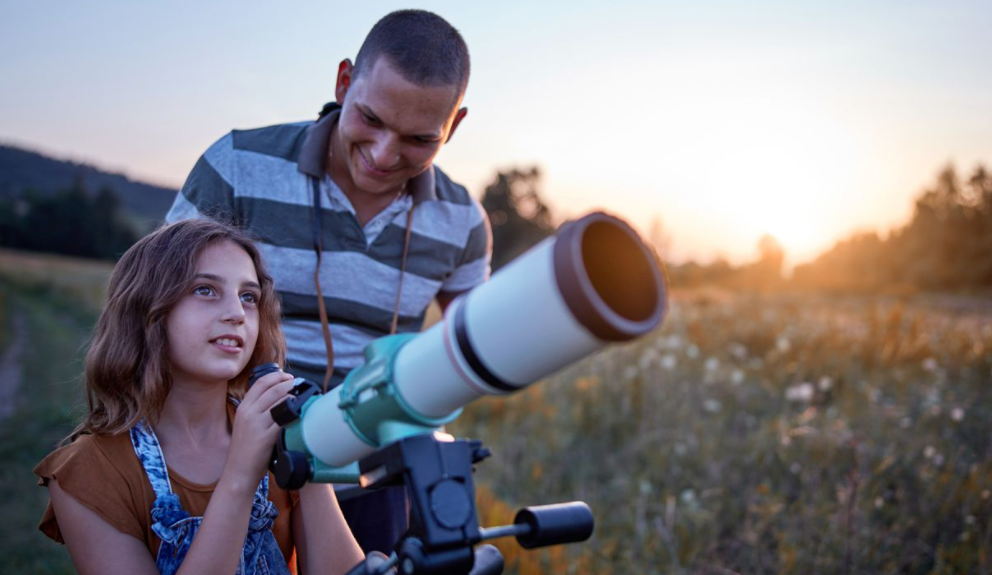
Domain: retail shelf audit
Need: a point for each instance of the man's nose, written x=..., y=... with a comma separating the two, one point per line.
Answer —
x=386, y=151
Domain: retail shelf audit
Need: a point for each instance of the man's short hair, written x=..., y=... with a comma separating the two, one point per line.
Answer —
x=423, y=47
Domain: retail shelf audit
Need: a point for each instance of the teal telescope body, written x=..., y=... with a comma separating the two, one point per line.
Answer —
x=592, y=284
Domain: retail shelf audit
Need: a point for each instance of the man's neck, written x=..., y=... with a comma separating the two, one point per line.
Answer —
x=367, y=206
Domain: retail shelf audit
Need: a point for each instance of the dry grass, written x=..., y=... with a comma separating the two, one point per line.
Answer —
x=763, y=434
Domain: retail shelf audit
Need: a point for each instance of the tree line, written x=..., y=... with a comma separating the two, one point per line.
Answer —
x=947, y=245
x=72, y=222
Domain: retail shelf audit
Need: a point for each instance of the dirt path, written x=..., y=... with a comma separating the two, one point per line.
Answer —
x=11, y=368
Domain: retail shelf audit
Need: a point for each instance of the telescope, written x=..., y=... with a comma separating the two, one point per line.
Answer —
x=592, y=284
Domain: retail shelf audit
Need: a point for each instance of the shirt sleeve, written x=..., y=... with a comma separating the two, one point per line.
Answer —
x=209, y=189
x=86, y=472
x=474, y=266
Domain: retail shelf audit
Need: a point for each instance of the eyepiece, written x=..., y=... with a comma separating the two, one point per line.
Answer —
x=260, y=371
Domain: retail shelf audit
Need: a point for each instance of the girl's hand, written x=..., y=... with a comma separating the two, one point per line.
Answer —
x=255, y=431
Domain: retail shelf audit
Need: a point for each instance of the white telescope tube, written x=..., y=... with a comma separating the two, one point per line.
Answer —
x=569, y=296
x=572, y=294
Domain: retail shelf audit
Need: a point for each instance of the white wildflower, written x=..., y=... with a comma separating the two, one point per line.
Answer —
x=986, y=493
x=930, y=364
x=737, y=377
x=712, y=405
x=879, y=502
x=826, y=383
x=795, y=468
x=929, y=451
x=800, y=393
x=680, y=449
x=669, y=361
x=782, y=344
x=645, y=487
x=647, y=359
x=957, y=414
x=692, y=351
x=712, y=364
x=738, y=351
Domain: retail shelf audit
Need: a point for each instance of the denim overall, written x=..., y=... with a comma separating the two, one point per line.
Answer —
x=261, y=554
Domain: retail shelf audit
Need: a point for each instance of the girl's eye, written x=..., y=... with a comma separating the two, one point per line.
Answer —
x=203, y=290
x=249, y=297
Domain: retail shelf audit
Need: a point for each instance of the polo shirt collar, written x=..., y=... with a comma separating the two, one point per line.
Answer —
x=313, y=153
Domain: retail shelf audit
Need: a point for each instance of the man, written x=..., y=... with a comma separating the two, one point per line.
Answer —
x=393, y=232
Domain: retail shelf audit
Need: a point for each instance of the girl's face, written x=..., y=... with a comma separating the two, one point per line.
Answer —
x=213, y=329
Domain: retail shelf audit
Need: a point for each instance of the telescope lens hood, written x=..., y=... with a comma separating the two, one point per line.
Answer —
x=610, y=281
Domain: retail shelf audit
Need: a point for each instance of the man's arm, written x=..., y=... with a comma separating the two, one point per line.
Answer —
x=444, y=298
x=474, y=265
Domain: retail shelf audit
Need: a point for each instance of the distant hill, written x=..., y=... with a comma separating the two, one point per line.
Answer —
x=21, y=170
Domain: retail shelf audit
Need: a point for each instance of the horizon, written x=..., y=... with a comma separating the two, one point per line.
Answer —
x=708, y=118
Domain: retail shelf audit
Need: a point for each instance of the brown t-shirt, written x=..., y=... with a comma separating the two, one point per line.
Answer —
x=103, y=473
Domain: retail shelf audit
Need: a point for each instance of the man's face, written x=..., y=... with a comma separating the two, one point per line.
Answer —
x=390, y=129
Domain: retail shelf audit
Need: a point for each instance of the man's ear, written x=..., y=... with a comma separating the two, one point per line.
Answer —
x=459, y=116
x=345, y=76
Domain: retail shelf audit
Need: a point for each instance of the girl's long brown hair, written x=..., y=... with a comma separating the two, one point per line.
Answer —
x=127, y=370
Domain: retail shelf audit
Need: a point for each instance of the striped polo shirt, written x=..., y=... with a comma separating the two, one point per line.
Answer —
x=259, y=179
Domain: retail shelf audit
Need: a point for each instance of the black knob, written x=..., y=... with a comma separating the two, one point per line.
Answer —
x=292, y=469
x=555, y=524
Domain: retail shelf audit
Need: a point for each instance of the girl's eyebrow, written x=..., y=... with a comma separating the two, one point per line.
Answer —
x=217, y=278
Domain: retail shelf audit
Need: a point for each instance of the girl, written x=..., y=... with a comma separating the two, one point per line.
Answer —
x=190, y=310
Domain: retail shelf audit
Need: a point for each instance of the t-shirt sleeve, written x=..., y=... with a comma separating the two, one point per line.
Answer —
x=209, y=189
x=476, y=258
x=87, y=472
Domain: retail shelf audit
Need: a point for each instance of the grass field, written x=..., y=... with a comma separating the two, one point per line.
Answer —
x=751, y=434
x=47, y=307
x=786, y=434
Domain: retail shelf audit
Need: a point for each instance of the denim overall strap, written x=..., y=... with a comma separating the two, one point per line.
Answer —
x=150, y=455
x=170, y=521
x=261, y=554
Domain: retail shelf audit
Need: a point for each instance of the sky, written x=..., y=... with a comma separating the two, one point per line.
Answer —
x=721, y=121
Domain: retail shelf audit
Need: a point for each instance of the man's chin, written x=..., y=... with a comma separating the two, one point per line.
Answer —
x=378, y=186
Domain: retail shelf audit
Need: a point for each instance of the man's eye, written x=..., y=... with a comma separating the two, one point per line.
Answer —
x=249, y=297
x=370, y=119
x=203, y=290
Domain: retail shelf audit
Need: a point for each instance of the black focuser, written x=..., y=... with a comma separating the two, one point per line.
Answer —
x=290, y=410
x=292, y=469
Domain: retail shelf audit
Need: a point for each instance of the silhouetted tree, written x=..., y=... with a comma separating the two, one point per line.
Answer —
x=518, y=216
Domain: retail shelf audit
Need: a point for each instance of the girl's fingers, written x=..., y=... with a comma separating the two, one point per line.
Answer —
x=273, y=395
x=265, y=383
